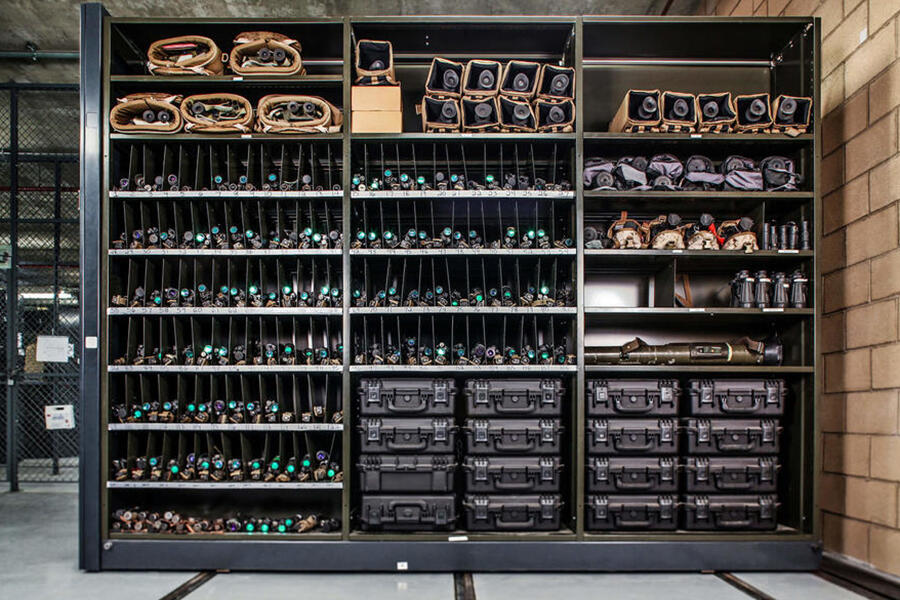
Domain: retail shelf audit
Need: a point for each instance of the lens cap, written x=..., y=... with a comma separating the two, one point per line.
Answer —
x=556, y=115
x=521, y=82
x=486, y=79
x=450, y=80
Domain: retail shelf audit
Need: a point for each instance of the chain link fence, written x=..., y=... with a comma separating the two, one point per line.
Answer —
x=40, y=292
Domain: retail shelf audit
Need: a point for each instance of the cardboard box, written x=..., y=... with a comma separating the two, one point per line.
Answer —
x=377, y=121
x=376, y=97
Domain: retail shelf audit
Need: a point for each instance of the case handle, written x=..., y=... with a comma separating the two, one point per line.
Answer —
x=624, y=484
x=644, y=408
x=499, y=523
x=524, y=485
x=500, y=446
x=740, y=409
x=391, y=445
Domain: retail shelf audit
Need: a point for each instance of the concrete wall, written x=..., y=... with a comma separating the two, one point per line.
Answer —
x=53, y=24
x=858, y=413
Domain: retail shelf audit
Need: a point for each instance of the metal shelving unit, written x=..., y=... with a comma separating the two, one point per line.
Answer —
x=601, y=50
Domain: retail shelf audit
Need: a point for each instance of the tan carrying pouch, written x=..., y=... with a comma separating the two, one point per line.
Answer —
x=555, y=117
x=133, y=113
x=291, y=113
x=520, y=79
x=481, y=78
x=715, y=113
x=517, y=116
x=439, y=115
x=375, y=63
x=557, y=83
x=444, y=78
x=480, y=114
x=266, y=53
x=791, y=114
x=640, y=111
x=679, y=112
x=754, y=113
x=224, y=113
x=206, y=59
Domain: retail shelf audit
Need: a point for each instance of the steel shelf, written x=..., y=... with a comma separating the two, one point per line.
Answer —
x=222, y=485
x=237, y=194
x=614, y=312
x=757, y=138
x=311, y=253
x=628, y=194
x=465, y=310
x=762, y=370
x=463, y=368
x=462, y=137
x=225, y=137
x=698, y=254
x=226, y=369
x=212, y=427
x=227, y=80
x=462, y=194
x=462, y=252
x=162, y=311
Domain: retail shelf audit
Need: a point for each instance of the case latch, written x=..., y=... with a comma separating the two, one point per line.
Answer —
x=548, y=393
x=440, y=392
x=373, y=430
x=481, y=469
x=481, y=393
x=440, y=430
x=548, y=504
x=601, y=432
x=702, y=511
x=703, y=431
x=547, y=431
x=601, y=469
x=546, y=464
x=481, y=507
x=373, y=391
x=481, y=430
x=601, y=508
x=768, y=431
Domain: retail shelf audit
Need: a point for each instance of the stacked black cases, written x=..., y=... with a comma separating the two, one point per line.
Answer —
x=407, y=462
x=732, y=444
x=513, y=449
x=632, y=446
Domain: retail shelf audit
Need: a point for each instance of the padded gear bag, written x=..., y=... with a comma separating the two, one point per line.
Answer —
x=516, y=115
x=142, y=112
x=779, y=174
x=715, y=113
x=266, y=53
x=741, y=174
x=282, y=113
x=444, y=78
x=679, y=112
x=554, y=116
x=374, y=63
x=598, y=174
x=217, y=113
x=440, y=115
x=185, y=55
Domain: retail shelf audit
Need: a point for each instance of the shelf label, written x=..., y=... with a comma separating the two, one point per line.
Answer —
x=677, y=251
x=402, y=565
x=773, y=310
x=696, y=136
x=697, y=310
x=246, y=136
x=237, y=78
x=61, y=416
x=458, y=538
x=788, y=251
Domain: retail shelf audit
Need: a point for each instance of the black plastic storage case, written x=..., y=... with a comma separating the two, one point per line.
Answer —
x=422, y=473
x=632, y=436
x=421, y=435
x=524, y=437
x=517, y=474
x=644, y=512
x=408, y=513
x=730, y=474
x=748, y=512
x=512, y=512
x=632, y=397
x=629, y=474
x=514, y=397
x=737, y=397
x=732, y=436
x=407, y=397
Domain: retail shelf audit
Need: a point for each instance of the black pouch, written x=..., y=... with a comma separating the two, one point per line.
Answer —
x=664, y=172
x=792, y=114
x=516, y=474
x=598, y=174
x=555, y=116
x=631, y=172
x=679, y=113
x=626, y=512
x=700, y=174
x=557, y=83
x=715, y=113
x=444, y=78
x=480, y=115
x=741, y=174
x=746, y=512
x=516, y=115
x=633, y=397
x=614, y=474
x=512, y=513
x=730, y=474
x=779, y=174
x=440, y=115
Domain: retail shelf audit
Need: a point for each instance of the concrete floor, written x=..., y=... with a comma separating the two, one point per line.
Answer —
x=38, y=569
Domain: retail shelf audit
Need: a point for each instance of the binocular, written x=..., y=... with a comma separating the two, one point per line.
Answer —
x=450, y=238
x=759, y=290
x=258, y=353
x=455, y=181
x=410, y=352
x=231, y=238
x=233, y=297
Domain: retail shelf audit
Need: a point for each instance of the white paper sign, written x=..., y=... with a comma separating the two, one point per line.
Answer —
x=53, y=348
x=61, y=416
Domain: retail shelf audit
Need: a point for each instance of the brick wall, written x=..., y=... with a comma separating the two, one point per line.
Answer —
x=858, y=412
